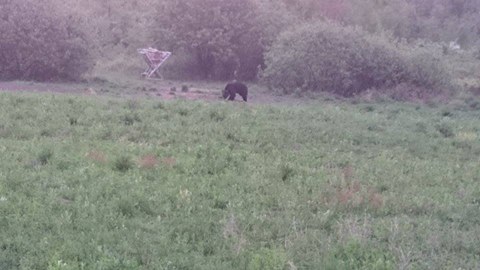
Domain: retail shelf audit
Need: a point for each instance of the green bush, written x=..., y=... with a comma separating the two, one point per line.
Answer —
x=217, y=43
x=268, y=259
x=355, y=256
x=44, y=156
x=347, y=61
x=39, y=44
x=123, y=164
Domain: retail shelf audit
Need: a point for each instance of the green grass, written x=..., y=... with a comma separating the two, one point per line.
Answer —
x=105, y=183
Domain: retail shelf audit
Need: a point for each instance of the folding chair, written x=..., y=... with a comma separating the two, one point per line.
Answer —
x=154, y=59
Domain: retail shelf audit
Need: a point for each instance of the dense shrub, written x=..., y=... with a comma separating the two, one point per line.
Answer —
x=39, y=44
x=435, y=20
x=347, y=61
x=355, y=256
x=226, y=39
x=219, y=41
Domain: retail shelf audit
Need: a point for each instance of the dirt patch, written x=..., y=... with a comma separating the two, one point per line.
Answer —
x=192, y=94
x=158, y=91
x=19, y=86
x=148, y=89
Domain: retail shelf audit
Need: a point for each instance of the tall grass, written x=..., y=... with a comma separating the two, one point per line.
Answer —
x=194, y=185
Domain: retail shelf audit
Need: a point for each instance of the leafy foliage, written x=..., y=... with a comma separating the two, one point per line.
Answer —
x=348, y=61
x=217, y=39
x=354, y=256
x=222, y=39
x=435, y=20
x=315, y=9
x=39, y=44
x=268, y=259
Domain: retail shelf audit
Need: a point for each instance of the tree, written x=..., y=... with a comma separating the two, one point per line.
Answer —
x=436, y=20
x=114, y=26
x=39, y=44
x=220, y=35
x=316, y=9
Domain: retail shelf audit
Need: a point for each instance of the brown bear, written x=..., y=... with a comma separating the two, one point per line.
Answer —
x=233, y=88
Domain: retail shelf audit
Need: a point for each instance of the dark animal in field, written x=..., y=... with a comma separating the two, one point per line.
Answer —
x=234, y=88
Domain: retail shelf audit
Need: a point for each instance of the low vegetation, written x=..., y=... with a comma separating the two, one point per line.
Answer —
x=107, y=183
x=40, y=43
x=348, y=61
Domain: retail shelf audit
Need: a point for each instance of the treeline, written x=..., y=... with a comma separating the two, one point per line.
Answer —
x=344, y=46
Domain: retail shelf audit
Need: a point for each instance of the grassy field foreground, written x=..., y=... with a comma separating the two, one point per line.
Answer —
x=103, y=183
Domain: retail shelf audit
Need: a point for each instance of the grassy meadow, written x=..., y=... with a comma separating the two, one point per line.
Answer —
x=110, y=183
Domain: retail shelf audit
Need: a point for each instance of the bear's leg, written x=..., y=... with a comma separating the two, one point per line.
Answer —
x=244, y=96
x=232, y=95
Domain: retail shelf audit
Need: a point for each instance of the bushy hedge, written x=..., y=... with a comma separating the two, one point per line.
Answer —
x=347, y=61
x=38, y=44
x=218, y=37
